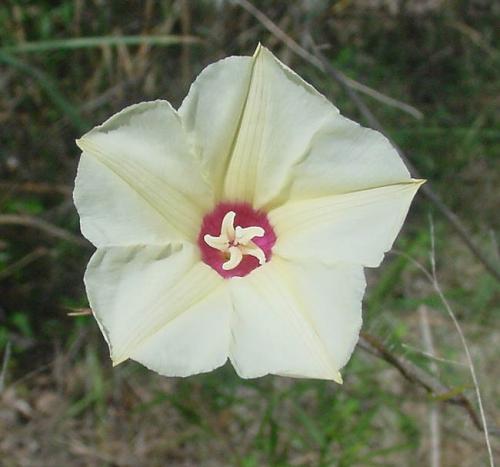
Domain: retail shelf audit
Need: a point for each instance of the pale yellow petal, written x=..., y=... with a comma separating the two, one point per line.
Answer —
x=332, y=296
x=357, y=227
x=196, y=341
x=111, y=213
x=272, y=331
x=211, y=113
x=137, y=169
x=346, y=157
x=136, y=293
x=282, y=117
x=240, y=181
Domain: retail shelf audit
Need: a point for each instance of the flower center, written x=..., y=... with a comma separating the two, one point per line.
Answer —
x=235, y=239
x=236, y=242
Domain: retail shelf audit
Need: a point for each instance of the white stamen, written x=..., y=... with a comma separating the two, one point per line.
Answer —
x=236, y=242
x=253, y=250
x=234, y=259
x=227, y=227
x=216, y=242
x=245, y=234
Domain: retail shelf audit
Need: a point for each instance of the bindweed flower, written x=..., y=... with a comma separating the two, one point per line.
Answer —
x=238, y=226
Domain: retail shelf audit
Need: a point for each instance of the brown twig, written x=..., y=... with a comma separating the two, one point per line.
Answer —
x=80, y=312
x=42, y=225
x=319, y=61
x=308, y=57
x=418, y=376
x=36, y=187
x=5, y=362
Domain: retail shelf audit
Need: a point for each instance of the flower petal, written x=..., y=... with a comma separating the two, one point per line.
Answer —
x=346, y=157
x=137, y=182
x=250, y=120
x=273, y=331
x=357, y=227
x=111, y=213
x=148, y=299
x=211, y=113
x=332, y=295
x=281, y=116
x=196, y=341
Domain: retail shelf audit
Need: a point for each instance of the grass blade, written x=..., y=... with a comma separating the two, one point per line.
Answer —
x=98, y=41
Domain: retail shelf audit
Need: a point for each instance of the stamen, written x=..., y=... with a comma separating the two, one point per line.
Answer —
x=216, y=242
x=253, y=250
x=236, y=242
x=245, y=234
x=227, y=227
x=236, y=255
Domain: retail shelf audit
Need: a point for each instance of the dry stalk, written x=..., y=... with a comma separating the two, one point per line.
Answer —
x=434, y=412
x=42, y=225
x=465, y=346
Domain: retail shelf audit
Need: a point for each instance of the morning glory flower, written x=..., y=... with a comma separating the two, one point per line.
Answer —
x=238, y=226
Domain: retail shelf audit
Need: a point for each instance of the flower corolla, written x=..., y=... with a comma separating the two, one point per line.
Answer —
x=238, y=226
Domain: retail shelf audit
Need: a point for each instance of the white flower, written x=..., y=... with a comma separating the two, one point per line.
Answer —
x=238, y=226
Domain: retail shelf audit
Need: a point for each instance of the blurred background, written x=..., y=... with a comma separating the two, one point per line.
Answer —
x=428, y=71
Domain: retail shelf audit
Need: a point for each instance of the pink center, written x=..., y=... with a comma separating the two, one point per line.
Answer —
x=246, y=216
